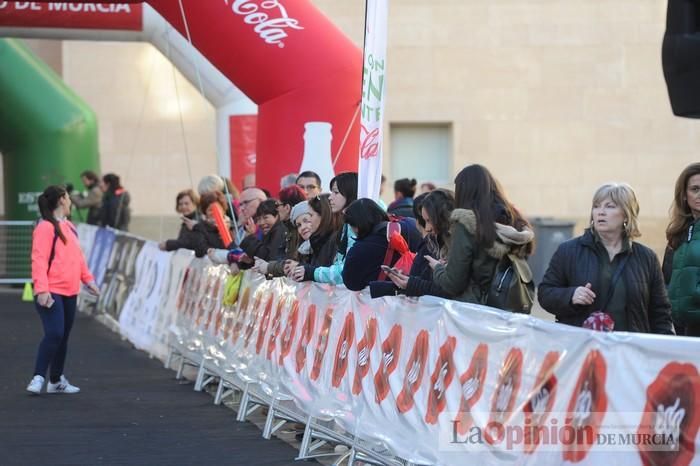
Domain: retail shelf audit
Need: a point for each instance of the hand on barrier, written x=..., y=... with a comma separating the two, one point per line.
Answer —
x=583, y=295
x=260, y=266
x=44, y=300
x=161, y=246
x=289, y=266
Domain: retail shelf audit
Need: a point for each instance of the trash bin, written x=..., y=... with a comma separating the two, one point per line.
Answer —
x=549, y=234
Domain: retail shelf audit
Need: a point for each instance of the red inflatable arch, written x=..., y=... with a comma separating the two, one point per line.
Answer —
x=289, y=59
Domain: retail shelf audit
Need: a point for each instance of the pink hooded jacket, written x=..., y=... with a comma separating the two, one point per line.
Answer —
x=68, y=268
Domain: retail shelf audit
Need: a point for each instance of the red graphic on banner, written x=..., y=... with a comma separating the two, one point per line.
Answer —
x=204, y=302
x=672, y=411
x=114, y=16
x=504, y=396
x=345, y=341
x=587, y=407
x=289, y=331
x=364, y=348
x=243, y=313
x=472, y=382
x=243, y=129
x=184, y=289
x=307, y=332
x=440, y=380
x=540, y=402
x=214, y=310
x=275, y=329
x=253, y=317
x=263, y=326
x=415, y=368
x=322, y=344
x=391, y=350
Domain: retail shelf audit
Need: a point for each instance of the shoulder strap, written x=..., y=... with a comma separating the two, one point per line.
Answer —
x=53, y=249
x=391, y=228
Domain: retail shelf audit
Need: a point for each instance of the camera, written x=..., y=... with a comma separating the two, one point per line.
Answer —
x=70, y=188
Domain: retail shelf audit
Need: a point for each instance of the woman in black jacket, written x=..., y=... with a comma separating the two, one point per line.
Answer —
x=186, y=204
x=604, y=270
x=364, y=260
x=115, y=211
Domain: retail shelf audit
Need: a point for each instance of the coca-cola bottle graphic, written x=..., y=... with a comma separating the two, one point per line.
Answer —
x=317, y=151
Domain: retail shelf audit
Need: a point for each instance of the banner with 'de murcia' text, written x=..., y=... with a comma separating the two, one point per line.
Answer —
x=436, y=381
x=373, y=98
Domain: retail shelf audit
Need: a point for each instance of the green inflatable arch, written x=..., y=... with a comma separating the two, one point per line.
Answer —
x=48, y=135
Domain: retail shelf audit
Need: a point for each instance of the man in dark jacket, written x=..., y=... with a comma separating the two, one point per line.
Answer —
x=577, y=262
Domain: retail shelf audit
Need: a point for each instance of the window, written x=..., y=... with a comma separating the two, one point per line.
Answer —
x=422, y=151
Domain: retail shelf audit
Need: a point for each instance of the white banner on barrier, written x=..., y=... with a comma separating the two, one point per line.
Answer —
x=436, y=380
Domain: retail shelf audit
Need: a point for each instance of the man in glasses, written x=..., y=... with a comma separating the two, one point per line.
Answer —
x=249, y=202
x=310, y=182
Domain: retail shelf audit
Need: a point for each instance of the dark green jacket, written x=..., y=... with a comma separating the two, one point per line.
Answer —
x=684, y=288
x=470, y=268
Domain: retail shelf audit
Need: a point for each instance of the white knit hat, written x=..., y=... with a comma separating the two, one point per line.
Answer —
x=299, y=210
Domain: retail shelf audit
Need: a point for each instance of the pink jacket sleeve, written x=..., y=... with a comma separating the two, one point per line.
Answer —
x=42, y=239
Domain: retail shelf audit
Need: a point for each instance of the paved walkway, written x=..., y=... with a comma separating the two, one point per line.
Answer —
x=131, y=411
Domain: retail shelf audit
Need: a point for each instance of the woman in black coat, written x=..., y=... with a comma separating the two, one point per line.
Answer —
x=322, y=245
x=186, y=204
x=364, y=260
x=605, y=270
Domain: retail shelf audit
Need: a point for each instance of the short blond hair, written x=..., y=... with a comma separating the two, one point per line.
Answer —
x=623, y=195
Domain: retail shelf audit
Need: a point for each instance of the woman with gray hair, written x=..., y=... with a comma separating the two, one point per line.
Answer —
x=605, y=280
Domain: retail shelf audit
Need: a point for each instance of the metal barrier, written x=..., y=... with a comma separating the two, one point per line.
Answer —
x=15, y=251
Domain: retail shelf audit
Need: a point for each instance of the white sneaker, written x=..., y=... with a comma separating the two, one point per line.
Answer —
x=63, y=386
x=36, y=385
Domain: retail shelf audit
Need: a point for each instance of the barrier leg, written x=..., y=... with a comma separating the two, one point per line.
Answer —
x=267, y=431
x=180, y=368
x=243, y=407
x=200, y=377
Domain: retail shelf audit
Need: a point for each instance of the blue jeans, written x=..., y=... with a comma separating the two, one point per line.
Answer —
x=57, y=321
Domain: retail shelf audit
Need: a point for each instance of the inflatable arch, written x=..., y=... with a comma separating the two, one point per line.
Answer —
x=284, y=55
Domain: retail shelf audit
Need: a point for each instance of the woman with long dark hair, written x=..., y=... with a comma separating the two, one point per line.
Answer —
x=682, y=258
x=343, y=193
x=58, y=268
x=484, y=228
x=433, y=214
x=116, y=212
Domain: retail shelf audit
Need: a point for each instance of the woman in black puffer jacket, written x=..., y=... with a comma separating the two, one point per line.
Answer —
x=364, y=260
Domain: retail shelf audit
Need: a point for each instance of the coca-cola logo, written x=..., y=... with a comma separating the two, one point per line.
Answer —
x=271, y=24
x=369, y=143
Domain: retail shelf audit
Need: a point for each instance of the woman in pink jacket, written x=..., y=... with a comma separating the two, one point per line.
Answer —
x=58, y=268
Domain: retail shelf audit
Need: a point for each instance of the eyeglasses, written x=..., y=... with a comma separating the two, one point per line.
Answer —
x=308, y=187
x=245, y=203
x=280, y=204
